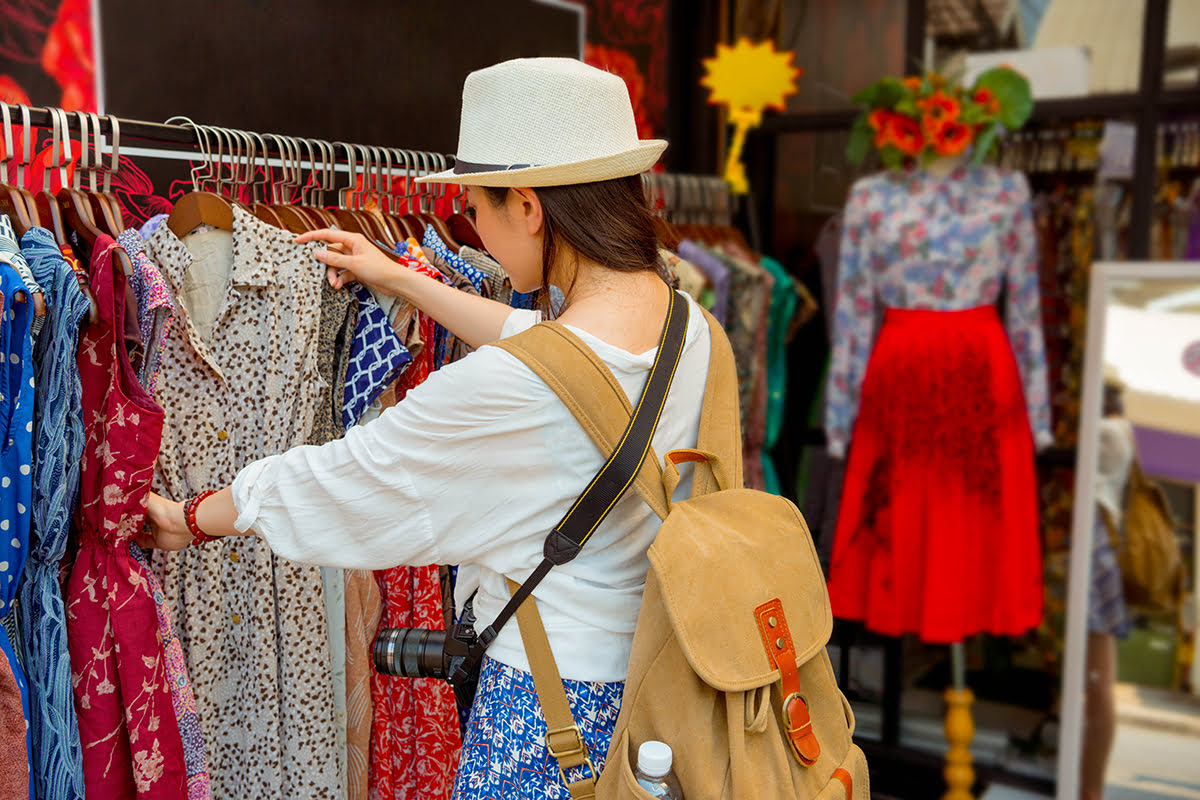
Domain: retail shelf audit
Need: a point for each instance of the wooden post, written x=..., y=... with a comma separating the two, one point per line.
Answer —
x=960, y=730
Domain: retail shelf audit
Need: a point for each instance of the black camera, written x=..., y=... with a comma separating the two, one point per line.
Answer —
x=452, y=656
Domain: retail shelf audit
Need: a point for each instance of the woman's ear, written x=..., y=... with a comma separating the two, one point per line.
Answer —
x=529, y=209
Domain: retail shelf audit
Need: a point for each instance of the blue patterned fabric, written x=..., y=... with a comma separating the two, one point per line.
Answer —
x=377, y=357
x=504, y=752
x=10, y=253
x=1107, y=612
x=16, y=457
x=435, y=243
x=56, y=754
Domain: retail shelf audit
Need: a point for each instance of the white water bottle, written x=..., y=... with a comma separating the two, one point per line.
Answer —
x=654, y=771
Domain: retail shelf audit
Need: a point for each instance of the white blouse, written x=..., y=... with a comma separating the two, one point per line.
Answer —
x=474, y=467
x=1117, y=451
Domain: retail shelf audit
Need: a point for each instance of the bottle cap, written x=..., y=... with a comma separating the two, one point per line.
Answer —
x=654, y=759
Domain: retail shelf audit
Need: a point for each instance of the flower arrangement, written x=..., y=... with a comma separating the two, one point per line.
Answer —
x=919, y=119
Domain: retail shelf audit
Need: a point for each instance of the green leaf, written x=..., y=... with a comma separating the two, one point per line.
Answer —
x=1012, y=90
x=860, y=140
x=973, y=114
x=907, y=106
x=985, y=142
x=891, y=157
x=881, y=94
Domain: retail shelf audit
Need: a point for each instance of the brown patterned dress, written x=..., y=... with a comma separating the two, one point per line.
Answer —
x=240, y=381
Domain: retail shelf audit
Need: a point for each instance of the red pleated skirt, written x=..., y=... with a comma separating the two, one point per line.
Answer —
x=937, y=533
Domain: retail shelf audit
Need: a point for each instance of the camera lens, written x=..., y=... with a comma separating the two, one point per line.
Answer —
x=411, y=652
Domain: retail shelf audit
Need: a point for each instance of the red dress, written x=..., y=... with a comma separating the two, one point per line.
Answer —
x=127, y=726
x=415, y=739
x=937, y=530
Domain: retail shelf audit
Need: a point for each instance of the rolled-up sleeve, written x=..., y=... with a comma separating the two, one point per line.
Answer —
x=419, y=485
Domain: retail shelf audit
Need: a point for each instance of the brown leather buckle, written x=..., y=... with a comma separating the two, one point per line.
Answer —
x=781, y=653
x=574, y=749
x=798, y=724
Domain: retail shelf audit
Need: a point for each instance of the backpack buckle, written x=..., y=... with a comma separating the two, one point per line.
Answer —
x=572, y=747
x=798, y=724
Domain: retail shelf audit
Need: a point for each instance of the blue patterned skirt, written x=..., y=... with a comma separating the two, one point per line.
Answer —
x=1107, y=612
x=504, y=751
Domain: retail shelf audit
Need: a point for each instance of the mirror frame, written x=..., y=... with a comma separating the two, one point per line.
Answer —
x=1103, y=275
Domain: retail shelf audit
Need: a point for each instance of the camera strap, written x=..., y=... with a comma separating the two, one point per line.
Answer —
x=568, y=537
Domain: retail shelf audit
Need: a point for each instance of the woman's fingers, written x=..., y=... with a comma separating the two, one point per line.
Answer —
x=334, y=259
x=327, y=235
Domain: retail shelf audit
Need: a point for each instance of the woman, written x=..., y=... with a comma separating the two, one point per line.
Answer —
x=1108, y=616
x=477, y=464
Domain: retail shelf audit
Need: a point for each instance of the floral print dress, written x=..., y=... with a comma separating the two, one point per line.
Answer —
x=131, y=742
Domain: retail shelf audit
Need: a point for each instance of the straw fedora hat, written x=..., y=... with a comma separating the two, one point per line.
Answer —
x=546, y=122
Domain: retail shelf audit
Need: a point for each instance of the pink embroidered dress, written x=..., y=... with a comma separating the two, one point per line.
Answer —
x=127, y=726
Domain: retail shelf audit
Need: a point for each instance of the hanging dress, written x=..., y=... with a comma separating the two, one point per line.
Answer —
x=16, y=496
x=57, y=758
x=938, y=528
x=131, y=741
x=240, y=381
x=415, y=740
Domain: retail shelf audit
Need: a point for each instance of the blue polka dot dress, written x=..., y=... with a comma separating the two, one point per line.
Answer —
x=16, y=456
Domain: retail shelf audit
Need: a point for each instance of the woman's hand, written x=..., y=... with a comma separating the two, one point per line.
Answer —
x=167, y=527
x=352, y=257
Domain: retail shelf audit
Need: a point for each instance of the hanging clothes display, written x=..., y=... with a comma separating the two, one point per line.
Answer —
x=131, y=744
x=16, y=497
x=156, y=312
x=415, y=739
x=938, y=529
x=240, y=381
x=339, y=313
x=59, y=439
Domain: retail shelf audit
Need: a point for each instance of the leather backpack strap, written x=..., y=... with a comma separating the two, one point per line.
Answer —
x=564, y=739
x=721, y=418
x=589, y=390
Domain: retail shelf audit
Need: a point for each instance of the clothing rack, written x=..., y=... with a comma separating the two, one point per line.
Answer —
x=167, y=132
x=701, y=199
x=232, y=146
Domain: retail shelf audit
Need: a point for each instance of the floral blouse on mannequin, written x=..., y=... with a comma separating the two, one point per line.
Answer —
x=918, y=241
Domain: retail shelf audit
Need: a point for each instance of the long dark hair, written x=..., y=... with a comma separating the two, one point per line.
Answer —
x=607, y=222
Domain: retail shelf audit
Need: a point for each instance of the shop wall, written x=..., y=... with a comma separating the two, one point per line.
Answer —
x=374, y=72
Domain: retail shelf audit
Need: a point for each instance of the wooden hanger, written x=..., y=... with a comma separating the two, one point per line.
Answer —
x=430, y=162
x=114, y=204
x=100, y=209
x=74, y=205
x=355, y=221
x=12, y=202
x=200, y=207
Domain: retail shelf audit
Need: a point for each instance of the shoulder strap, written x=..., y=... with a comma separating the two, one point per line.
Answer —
x=587, y=387
x=564, y=542
x=590, y=392
x=564, y=739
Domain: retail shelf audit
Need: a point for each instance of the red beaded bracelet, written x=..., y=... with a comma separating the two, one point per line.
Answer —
x=189, y=515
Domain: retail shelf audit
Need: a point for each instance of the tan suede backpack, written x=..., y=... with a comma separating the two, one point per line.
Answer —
x=728, y=664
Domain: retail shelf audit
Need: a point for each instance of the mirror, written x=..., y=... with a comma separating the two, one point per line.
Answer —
x=1131, y=694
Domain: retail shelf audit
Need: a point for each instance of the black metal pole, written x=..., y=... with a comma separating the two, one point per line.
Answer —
x=1145, y=158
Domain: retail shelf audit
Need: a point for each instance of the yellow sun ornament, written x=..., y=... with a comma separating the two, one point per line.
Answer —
x=748, y=78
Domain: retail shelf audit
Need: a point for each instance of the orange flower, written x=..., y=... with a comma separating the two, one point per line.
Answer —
x=953, y=138
x=912, y=83
x=985, y=98
x=906, y=135
x=883, y=122
x=940, y=106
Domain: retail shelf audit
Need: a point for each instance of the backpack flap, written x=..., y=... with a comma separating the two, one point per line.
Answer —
x=713, y=612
